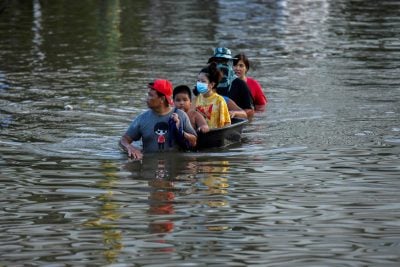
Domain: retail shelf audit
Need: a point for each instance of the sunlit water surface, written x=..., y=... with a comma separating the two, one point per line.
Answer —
x=314, y=182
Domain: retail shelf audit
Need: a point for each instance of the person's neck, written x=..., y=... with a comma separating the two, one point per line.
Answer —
x=162, y=110
x=209, y=93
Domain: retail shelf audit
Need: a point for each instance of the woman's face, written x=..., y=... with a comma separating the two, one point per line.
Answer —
x=202, y=77
x=240, y=69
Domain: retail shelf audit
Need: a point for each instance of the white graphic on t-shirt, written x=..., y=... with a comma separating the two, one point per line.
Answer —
x=161, y=129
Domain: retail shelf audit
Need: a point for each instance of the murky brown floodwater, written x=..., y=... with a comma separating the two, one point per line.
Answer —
x=315, y=181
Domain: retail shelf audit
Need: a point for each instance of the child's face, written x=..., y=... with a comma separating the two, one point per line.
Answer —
x=182, y=101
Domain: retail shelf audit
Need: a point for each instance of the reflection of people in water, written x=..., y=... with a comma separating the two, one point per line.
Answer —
x=161, y=203
x=161, y=199
x=163, y=190
x=170, y=176
x=108, y=214
x=217, y=187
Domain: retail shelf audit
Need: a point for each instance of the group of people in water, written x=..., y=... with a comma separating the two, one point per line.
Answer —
x=222, y=92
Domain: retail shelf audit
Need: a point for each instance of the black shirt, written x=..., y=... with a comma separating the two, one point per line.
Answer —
x=238, y=92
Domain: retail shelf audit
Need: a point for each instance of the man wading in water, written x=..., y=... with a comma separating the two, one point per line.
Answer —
x=161, y=127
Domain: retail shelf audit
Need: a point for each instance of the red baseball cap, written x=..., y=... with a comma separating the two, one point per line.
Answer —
x=164, y=87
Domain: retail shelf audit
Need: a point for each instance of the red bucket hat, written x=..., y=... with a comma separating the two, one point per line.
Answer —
x=164, y=87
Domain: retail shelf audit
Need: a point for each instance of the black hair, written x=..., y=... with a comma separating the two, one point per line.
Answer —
x=213, y=73
x=182, y=89
x=243, y=58
x=161, y=126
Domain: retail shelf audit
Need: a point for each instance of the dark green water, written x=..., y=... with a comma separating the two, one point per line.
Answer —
x=315, y=181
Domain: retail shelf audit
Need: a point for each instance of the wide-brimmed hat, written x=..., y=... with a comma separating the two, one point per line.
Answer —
x=221, y=52
x=164, y=87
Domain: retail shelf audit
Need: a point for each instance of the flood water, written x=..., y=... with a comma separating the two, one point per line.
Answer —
x=314, y=182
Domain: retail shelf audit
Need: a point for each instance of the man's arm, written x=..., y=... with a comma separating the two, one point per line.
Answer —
x=234, y=110
x=126, y=144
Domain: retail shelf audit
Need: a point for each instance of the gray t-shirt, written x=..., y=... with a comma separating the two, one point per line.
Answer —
x=155, y=130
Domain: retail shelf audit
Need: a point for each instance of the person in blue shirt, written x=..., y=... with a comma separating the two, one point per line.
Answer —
x=161, y=127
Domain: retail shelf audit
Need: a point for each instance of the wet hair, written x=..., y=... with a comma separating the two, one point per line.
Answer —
x=243, y=58
x=213, y=73
x=182, y=89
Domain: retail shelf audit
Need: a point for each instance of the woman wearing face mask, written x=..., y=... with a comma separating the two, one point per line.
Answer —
x=210, y=104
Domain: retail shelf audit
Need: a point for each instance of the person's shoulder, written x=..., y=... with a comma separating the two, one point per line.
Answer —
x=142, y=114
x=252, y=80
x=145, y=114
x=219, y=97
x=193, y=113
x=149, y=116
x=253, y=83
x=238, y=82
x=181, y=113
x=241, y=88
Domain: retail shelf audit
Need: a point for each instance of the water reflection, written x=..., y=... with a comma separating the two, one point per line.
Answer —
x=175, y=180
x=37, y=29
x=108, y=214
x=6, y=117
x=214, y=176
x=161, y=199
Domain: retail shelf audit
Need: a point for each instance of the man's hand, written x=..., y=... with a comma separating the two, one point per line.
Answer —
x=175, y=117
x=134, y=153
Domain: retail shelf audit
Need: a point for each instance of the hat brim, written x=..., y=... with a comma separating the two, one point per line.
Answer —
x=223, y=57
x=169, y=98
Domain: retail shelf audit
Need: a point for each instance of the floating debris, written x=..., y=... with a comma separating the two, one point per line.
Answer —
x=68, y=107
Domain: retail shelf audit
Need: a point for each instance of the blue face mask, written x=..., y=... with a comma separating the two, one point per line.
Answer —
x=202, y=88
